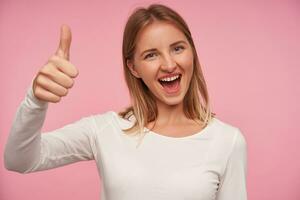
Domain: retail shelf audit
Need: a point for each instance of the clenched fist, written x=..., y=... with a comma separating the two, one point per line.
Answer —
x=55, y=78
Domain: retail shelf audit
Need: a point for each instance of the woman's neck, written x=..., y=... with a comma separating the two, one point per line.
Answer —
x=170, y=114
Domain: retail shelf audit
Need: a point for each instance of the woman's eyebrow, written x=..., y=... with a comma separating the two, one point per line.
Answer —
x=153, y=49
x=173, y=44
x=178, y=42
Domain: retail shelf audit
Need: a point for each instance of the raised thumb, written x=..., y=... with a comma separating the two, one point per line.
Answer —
x=63, y=50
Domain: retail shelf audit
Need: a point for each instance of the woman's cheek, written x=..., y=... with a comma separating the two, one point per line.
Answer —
x=185, y=61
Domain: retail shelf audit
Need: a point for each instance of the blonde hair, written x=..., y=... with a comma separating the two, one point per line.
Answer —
x=143, y=106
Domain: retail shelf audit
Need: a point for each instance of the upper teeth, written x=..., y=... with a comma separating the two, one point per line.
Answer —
x=169, y=78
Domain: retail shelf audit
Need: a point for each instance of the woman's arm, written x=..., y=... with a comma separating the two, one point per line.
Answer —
x=233, y=181
x=28, y=150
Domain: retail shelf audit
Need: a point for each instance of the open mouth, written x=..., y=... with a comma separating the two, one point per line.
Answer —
x=172, y=84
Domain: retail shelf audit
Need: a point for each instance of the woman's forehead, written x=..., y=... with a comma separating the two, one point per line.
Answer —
x=158, y=34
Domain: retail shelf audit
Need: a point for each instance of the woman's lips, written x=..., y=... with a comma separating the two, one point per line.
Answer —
x=172, y=87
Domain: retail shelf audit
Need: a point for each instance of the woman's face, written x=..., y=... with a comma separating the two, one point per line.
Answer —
x=162, y=54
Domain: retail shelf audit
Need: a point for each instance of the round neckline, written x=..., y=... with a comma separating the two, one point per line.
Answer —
x=197, y=134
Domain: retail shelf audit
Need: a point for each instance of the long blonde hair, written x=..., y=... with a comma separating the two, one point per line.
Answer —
x=143, y=106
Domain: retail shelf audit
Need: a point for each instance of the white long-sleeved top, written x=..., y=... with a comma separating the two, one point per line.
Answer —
x=208, y=165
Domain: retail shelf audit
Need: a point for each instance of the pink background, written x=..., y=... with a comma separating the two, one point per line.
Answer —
x=250, y=57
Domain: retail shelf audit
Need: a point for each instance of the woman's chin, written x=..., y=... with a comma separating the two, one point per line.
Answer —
x=172, y=101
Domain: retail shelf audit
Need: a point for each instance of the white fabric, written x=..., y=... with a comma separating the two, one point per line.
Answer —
x=209, y=165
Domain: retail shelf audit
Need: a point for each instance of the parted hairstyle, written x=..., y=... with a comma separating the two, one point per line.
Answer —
x=143, y=109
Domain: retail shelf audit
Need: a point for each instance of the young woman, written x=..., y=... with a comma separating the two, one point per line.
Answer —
x=166, y=145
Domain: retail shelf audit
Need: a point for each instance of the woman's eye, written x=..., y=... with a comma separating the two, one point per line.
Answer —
x=150, y=55
x=178, y=49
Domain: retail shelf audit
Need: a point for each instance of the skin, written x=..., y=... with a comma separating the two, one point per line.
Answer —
x=167, y=58
x=55, y=78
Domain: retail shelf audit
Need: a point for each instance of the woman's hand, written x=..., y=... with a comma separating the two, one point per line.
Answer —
x=55, y=78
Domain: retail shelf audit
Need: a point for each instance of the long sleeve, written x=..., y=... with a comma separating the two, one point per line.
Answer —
x=28, y=150
x=233, y=181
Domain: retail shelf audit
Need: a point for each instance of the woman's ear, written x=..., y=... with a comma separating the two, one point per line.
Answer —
x=131, y=67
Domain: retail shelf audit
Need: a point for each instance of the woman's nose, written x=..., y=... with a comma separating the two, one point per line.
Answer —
x=168, y=63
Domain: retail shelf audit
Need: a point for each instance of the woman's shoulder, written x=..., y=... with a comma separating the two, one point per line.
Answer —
x=227, y=131
x=113, y=118
x=228, y=139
